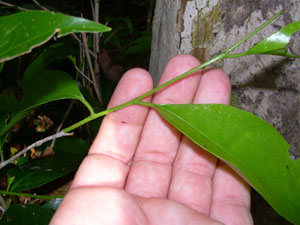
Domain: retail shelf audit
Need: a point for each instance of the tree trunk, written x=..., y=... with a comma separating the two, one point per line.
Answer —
x=268, y=86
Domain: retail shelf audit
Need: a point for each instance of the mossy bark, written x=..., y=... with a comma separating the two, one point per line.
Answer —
x=266, y=86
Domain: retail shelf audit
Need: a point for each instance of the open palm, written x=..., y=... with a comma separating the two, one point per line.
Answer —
x=140, y=170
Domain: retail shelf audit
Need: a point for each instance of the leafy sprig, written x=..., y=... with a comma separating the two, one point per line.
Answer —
x=274, y=177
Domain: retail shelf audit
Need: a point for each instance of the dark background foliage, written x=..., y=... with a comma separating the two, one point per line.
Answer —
x=125, y=47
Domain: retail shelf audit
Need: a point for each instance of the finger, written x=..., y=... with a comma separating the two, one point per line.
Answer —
x=151, y=169
x=194, y=167
x=231, y=197
x=116, y=142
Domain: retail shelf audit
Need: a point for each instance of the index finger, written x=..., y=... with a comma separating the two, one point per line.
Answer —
x=115, y=144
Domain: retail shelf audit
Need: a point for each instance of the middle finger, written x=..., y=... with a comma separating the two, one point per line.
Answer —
x=151, y=168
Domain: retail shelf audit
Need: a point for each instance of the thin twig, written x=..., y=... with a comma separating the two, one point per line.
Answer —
x=92, y=7
x=100, y=35
x=111, y=35
x=97, y=89
x=150, y=14
x=82, y=63
x=96, y=35
x=35, y=144
x=62, y=122
x=11, y=5
x=85, y=76
x=80, y=42
x=76, y=38
x=96, y=45
x=39, y=5
x=3, y=205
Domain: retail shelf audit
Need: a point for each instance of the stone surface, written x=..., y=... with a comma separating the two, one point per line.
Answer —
x=268, y=86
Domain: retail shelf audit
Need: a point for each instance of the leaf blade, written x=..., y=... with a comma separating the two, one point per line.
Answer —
x=23, y=31
x=69, y=154
x=48, y=86
x=274, y=177
x=276, y=43
x=26, y=214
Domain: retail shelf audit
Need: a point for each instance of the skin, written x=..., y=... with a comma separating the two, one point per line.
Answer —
x=140, y=170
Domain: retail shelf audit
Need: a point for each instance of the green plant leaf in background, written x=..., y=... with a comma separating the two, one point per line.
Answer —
x=141, y=44
x=42, y=88
x=42, y=171
x=1, y=66
x=53, y=204
x=69, y=153
x=51, y=53
x=21, y=32
x=275, y=44
x=26, y=214
x=246, y=142
x=3, y=120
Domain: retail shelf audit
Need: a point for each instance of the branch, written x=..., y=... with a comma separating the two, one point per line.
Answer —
x=92, y=7
x=62, y=122
x=96, y=35
x=85, y=76
x=39, y=5
x=137, y=100
x=80, y=42
x=150, y=14
x=3, y=205
x=85, y=44
x=96, y=41
x=11, y=5
x=35, y=144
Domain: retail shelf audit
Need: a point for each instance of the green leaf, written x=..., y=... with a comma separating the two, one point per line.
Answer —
x=276, y=44
x=3, y=122
x=49, y=54
x=246, y=142
x=71, y=145
x=128, y=23
x=1, y=67
x=26, y=214
x=69, y=154
x=42, y=88
x=42, y=171
x=140, y=45
x=23, y=31
x=123, y=23
x=53, y=204
x=10, y=180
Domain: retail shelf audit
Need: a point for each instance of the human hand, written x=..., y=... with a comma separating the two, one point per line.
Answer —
x=140, y=170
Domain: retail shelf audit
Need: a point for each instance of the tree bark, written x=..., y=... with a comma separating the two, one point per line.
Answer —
x=268, y=86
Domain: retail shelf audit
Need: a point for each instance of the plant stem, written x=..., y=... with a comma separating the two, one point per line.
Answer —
x=39, y=5
x=96, y=86
x=148, y=104
x=11, y=5
x=287, y=54
x=249, y=36
x=137, y=100
x=35, y=144
x=3, y=205
x=31, y=195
